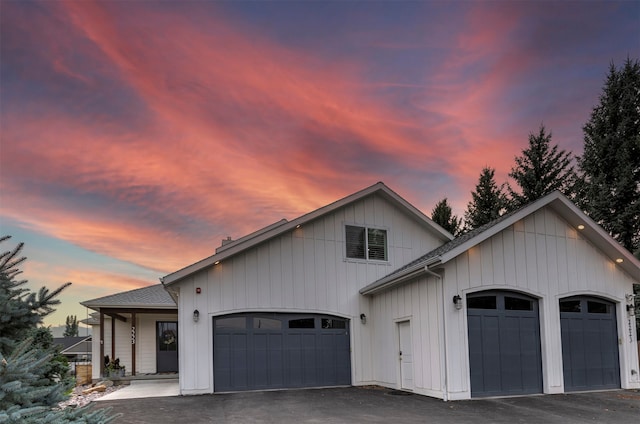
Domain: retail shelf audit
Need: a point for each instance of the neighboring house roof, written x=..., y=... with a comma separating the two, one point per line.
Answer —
x=556, y=201
x=155, y=297
x=72, y=346
x=234, y=247
x=68, y=342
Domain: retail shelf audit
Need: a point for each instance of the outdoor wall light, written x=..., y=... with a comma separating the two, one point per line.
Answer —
x=363, y=318
x=196, y=315
x=631, y=308
x=457, y=301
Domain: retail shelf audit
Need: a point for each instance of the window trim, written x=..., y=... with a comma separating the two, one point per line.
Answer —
x=366, y=240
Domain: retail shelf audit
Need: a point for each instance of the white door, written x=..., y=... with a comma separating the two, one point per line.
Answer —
x=406, y=355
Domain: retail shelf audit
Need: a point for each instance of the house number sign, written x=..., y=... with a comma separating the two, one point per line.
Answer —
x=133, y=335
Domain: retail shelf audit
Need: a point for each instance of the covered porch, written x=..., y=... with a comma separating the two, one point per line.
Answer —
x=135, y=334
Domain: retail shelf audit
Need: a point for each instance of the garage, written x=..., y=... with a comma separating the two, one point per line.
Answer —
x=504, y=344
x=589, y=344
x=255, y=351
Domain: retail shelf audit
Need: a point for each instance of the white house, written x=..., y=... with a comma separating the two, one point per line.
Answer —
x=138, y=327
x=368, y=290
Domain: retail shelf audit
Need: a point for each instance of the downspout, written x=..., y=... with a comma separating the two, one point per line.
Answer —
x=445, y=391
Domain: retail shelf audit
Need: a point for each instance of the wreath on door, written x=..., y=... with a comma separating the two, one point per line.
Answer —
x=168, y=337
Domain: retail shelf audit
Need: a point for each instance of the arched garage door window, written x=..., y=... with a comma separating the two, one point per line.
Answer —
x=589, y=344
x=504, y=344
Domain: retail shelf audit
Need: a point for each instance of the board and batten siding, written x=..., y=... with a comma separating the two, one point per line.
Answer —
x=303, y=270
x=540, y=255
x=420, y=303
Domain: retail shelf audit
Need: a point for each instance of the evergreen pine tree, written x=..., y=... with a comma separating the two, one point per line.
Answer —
x=541, y=169
x=31, y=382
x=610, y=164
x=488, y=201
x=443, y=216
x=71, y=326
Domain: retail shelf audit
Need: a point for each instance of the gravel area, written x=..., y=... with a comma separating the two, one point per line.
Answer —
x=78, y=400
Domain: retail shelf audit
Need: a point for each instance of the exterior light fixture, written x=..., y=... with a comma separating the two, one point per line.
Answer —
x=196, y=315
x=619, y=260
x=580, y=227
x=363, y=318
x=298, y=226
x=216, y=262
x=631, y=309
x=457, y=301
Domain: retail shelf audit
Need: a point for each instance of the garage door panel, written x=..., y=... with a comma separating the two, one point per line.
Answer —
x=504, y=344
x=589, y=344
x=280, y=351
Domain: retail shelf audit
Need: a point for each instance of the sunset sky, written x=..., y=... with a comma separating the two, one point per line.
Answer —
x=135, y=136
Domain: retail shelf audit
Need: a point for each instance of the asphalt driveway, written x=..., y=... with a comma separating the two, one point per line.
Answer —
x=377, y=405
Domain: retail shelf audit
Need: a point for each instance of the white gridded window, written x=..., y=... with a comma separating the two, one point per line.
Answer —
x=371, y=247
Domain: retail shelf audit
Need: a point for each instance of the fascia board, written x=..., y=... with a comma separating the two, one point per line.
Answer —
x=574, y=216
x=598, y=236
x=385, y=283
x=261, y=236
x=98, y=306
x=521, y=214
x=417, y=213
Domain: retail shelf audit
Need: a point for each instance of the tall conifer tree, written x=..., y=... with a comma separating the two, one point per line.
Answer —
x=31, y=382
x=610, y=164
x=443, y=216
x=488, y=201
x=541, y=169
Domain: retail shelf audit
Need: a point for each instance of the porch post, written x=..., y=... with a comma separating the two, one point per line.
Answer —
x=101, y=344
x=133, y=343
x=113, y=338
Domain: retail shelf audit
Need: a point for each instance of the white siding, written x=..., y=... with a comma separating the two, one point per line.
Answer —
x=542, y=256
x=419, y=302
x=145, y=343
x=300, y=271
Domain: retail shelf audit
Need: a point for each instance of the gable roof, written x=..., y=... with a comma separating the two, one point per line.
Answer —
x=283, y=226
x=155, y=297
x=555, y=200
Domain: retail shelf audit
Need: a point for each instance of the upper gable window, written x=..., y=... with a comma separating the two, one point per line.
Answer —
x=366, y=243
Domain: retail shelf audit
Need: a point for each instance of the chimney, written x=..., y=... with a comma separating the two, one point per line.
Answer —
x=227, y=240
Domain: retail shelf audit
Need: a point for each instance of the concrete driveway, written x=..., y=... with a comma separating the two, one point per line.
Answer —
x=377, y=405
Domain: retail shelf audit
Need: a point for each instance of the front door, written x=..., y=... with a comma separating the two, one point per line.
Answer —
x=406, y=355
x=167, y=346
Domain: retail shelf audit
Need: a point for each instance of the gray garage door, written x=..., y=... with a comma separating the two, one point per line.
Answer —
x=589, y=344
x=272, y=351
x=504, y=344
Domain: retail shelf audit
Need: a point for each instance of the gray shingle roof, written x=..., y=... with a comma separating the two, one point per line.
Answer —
x=67, y=342
x=146, y=297
x=448, y=246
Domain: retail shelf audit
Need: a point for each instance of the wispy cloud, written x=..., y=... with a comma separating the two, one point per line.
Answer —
x=148, y=131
